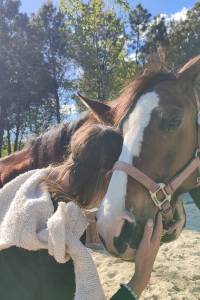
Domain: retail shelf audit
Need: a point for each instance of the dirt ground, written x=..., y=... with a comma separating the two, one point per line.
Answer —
x=176, y=273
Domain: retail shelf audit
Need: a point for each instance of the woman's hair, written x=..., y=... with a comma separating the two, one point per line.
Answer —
x=92, y=153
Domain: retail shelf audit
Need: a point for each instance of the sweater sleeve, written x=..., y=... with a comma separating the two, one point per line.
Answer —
x=122, y=294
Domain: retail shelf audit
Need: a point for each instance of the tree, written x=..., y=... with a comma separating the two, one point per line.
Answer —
x=24, y=77
x=184, y=38
x=11, y=23
x=139, y=19
x=156, y=37
x=180, y=39
x=98, y=45
x=54, y=41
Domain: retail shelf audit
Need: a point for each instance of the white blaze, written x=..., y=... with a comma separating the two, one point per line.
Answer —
x=133, y=132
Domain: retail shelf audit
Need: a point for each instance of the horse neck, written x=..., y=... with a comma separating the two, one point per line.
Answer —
x=14, y=165
x=39, y=152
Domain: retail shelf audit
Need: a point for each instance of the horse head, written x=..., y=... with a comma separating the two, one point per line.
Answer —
x=157, y=114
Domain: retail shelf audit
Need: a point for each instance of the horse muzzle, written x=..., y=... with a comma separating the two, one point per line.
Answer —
x=120, y=235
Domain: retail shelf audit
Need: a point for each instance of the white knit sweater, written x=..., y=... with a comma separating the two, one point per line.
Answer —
x=27, y=220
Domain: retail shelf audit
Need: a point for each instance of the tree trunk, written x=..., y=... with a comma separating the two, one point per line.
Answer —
x=16, y=142
x=1, y=130
x=1, y=139
x=20, y=144
x=137, y=46
x=16, y=137
x=9, y=149
x=57, y=105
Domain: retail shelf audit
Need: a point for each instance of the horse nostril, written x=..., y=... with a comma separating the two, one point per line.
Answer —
x=130, y=236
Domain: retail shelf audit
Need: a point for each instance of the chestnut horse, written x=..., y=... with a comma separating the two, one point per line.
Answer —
x=157, y=114
x=161, y=129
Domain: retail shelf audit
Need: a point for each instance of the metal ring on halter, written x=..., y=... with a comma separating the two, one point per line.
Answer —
x=160, y=196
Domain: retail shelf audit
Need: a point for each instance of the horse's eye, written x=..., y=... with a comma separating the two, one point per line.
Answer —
x=169, y=118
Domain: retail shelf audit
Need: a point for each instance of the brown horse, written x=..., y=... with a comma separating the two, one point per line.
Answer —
x=157, y=115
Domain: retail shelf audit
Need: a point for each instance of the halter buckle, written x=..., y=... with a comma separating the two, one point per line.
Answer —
x=160, y=196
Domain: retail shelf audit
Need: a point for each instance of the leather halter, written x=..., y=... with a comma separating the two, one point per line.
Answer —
x=161, y=194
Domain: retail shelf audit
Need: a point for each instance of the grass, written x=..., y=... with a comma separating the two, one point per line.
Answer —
x=5, y=150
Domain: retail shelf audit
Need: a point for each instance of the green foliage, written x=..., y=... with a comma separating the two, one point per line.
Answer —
x=184, y=38
x=54, y=42
x=26, y=77
x=179, y=39
x=19, y=76
x=99, y=47
x=139, y=19
x=156, y=37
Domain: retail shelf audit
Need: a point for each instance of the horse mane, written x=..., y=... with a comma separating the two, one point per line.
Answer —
x=40, y=151
x=51, y=146
x=132, y=92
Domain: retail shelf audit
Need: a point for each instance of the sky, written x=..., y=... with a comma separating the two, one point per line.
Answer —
x=154, y=6
x=30, y=6
x=165, y=6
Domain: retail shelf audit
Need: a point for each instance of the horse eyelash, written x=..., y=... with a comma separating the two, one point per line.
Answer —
x=170, y=125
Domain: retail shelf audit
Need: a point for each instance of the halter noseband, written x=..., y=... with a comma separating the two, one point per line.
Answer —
x=161, y=194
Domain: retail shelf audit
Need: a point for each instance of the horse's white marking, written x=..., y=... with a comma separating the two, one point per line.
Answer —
x=133, y=130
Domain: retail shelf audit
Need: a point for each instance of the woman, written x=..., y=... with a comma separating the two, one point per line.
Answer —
x=83, y=179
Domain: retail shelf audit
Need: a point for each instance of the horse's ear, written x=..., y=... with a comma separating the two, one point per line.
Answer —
x=190, y=70
x=100, y=110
